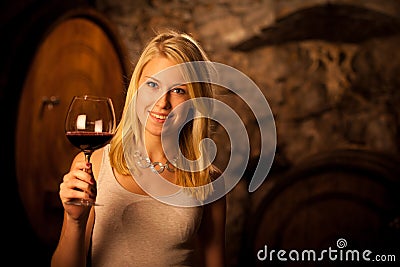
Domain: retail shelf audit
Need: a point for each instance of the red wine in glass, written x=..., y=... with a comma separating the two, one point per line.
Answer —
x=88, y=141
x=89, y=125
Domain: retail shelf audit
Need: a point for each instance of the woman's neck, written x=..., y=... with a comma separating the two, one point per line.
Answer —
x=156, y=149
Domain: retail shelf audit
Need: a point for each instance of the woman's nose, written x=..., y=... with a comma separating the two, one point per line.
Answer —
x=164, y=101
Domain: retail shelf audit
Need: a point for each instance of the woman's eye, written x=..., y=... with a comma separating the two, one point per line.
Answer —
x=152, y=84
x=178, y=91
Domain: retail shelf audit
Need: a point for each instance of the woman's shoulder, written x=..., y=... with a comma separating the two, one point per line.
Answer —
x=96, y=160
x=97, y=155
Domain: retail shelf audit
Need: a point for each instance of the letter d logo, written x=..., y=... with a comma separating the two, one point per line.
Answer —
x=262, y=254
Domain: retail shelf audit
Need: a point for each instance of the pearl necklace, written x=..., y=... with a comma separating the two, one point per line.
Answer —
x=157, y=167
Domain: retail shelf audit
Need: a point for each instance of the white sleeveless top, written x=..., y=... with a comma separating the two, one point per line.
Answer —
x=137, y=230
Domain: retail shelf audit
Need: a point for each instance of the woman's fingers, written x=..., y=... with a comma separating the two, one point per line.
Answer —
x=87, y=168
x=77, y=188
x=78, y=183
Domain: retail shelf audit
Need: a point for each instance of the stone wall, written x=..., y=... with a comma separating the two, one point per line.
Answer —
x=329, y=87
x=323, y=94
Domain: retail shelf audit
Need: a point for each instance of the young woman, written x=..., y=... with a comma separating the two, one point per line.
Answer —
x=130, y=227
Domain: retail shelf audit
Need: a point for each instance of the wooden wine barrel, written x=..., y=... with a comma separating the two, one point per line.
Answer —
x=80, y=53
x=346, y=195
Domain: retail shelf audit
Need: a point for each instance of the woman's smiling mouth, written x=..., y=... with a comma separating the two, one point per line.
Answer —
x=158, y=116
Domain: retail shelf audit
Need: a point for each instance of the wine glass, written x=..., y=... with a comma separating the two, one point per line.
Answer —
x=89, y=125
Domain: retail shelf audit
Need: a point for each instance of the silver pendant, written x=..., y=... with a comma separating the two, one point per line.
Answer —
x=156, y=167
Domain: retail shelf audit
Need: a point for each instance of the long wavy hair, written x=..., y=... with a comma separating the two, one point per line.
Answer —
x=181, y=48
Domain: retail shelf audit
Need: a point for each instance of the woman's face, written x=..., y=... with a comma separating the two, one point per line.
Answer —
x=161, y=90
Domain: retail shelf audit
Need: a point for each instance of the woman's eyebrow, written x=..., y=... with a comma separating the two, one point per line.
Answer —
x=179, y=84
x=172, y=86
x=151, y=77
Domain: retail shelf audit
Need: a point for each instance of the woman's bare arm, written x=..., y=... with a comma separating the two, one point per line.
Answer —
x=74, y=242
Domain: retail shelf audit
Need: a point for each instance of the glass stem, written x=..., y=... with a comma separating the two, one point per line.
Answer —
x=88, y=154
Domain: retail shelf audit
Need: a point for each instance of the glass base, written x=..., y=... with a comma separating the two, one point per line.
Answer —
x=82, y=202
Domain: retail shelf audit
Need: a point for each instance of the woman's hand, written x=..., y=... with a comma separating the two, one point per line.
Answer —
x=79, y=183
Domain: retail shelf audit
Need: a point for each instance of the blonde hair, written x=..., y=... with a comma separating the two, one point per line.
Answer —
x=181, y=48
